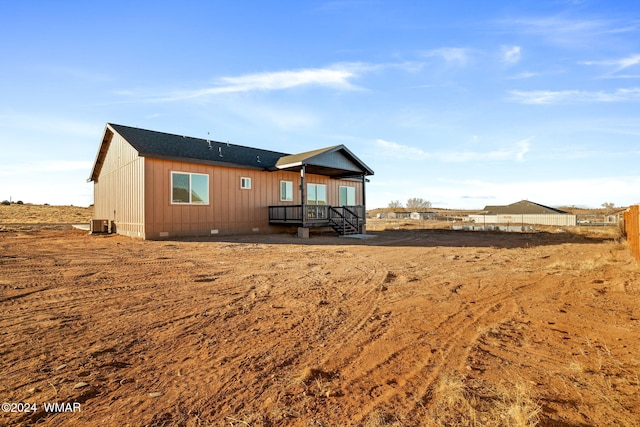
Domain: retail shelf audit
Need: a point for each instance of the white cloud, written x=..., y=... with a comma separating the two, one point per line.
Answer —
x=524, y=147
x=524, y=75
x=568, y=32
x=452, y=55
x=401, y=151
x=338, y=76
x=616, y=65
x=511, y=54
x=542, y=97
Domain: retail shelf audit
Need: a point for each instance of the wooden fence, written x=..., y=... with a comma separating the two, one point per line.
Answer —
x=632, y=229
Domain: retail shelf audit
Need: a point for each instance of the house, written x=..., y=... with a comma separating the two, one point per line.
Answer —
x=524, y=212
x=399, y=215
x=423, y=215
x=156, y=185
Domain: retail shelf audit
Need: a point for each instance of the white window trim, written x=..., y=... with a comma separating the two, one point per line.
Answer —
x=242, y=182
x=189, y=203
x=290, y=199
x=354, y=194
x=326, y=201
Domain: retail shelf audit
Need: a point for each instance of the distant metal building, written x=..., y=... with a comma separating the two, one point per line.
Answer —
x=524, y=212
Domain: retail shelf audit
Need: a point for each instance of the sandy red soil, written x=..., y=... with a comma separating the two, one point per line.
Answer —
x=275, y=331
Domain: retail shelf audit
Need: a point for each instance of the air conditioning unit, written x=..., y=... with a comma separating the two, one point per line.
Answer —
x=99, y=226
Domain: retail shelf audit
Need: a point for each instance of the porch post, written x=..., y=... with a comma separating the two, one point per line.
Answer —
x=364, y=205
x=303, y=193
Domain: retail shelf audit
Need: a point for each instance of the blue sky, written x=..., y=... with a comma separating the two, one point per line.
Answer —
x=461, y=103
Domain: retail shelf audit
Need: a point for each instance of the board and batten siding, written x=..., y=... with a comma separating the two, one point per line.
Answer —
x=231, y=209
x=118, y=191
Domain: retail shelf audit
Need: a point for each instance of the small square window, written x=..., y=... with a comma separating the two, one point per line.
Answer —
x=245, y=183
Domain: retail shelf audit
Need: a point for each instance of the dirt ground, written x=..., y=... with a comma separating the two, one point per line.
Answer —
x=408, y=328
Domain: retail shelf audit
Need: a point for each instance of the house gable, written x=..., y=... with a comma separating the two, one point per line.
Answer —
x=336, y=161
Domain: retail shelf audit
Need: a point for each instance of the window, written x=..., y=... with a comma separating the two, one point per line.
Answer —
x=189, y=188
x=245, y=183
x=316, y=194
x=286, y=191
x=347, y=196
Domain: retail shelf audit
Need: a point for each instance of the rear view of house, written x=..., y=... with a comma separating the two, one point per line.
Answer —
x=157, y=185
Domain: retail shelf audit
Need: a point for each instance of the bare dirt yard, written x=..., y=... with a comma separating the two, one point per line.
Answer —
x=408, y=328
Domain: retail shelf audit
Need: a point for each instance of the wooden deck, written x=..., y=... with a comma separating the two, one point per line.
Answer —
x=343, y=219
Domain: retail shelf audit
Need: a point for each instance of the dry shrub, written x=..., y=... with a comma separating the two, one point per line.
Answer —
x=382, y=419
x=516, y=407
x=453, y=404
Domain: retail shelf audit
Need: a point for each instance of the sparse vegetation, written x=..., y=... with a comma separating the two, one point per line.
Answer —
x=418, y=203
x=506, y=405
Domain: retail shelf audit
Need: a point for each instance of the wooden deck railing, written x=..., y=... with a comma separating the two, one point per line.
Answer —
x=313, y=214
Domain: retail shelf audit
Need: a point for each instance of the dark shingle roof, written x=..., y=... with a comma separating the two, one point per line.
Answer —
x=150, y=143
x=335, y=161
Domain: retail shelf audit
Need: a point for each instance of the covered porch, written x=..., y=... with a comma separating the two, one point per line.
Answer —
x=317, y=208
x=343, y=219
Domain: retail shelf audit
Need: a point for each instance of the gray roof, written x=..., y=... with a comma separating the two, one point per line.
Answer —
x=160, y=145
x=523, y=207
x=336, y=161
x=155, y=144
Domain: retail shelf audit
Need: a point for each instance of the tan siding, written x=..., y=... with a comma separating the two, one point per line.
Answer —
x=230, y=209
x=118, y=190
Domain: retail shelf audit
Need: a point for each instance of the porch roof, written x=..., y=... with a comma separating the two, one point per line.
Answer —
x=336, y=161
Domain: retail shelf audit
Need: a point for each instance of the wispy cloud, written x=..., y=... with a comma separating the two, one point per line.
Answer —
x=542, y=97
x=524, y=75
x=570, y=32
x=511, y=54
x=397, y=150
x=337, y=76
x=451, y=55
x=616, y=65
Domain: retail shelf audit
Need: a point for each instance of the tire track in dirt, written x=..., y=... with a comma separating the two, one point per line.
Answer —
x=460, y=327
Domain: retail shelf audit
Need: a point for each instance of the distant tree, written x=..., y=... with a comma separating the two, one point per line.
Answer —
x=6, y=202
x=395, y=204
x=609, y=206
x=418, y=203
x=19, y=202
